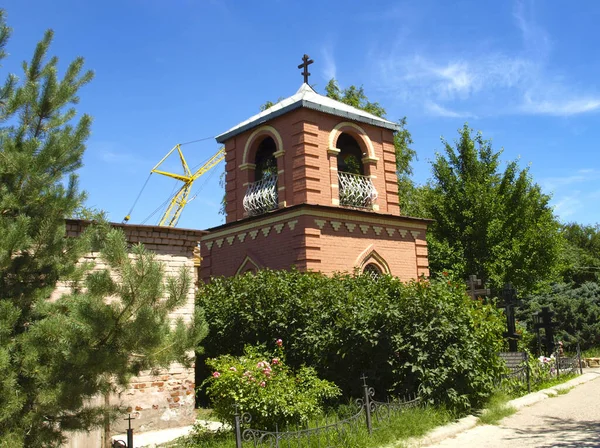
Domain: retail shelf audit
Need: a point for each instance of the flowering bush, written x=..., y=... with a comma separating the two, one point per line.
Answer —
x=265, y=387
x=544, y=369
x=424, y=337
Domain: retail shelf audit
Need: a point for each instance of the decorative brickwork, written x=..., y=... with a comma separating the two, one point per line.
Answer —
x=319, y=238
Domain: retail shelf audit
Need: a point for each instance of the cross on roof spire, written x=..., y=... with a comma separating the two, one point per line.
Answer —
x=306, y=61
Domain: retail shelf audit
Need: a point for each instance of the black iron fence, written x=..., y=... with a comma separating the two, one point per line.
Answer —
x=517, y=364
x=328, y=433
x=520, y=371
x=568, y=364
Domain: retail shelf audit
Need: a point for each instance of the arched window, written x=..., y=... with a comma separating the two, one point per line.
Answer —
x=261, y=195
x=266, y=164
x=350, y=156
x=372, y=270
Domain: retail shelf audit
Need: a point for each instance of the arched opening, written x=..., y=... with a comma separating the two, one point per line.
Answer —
x=350, y=156
x=355, y=189
x=261, y=195
x=372, y=270
x=265, y=161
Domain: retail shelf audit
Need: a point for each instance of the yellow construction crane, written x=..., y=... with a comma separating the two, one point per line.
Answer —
x=180, y=199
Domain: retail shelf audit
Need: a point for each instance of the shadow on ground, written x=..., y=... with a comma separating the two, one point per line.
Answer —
x=564, y=433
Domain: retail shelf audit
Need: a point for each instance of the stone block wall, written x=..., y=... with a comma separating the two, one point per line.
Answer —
x=167, y=399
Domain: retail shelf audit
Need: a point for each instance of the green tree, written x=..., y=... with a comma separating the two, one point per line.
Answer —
x=497, y=225
x=581, y=254
x=56, y=354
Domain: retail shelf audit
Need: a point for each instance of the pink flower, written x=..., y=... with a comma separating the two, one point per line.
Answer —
x=216, y=375
x=275, y=361
x=263, y=384
x=279, y=342
x=233, y=369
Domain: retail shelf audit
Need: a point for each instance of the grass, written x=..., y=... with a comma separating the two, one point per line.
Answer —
x=496, y=409
x=564, y=391
x=205, y=414
x=400, y=426
x=563, y=378
x=593, y=352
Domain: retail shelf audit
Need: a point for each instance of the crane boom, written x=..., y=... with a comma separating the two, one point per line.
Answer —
x=180, y=199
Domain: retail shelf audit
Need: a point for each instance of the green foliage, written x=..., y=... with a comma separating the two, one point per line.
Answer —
x=496, y=408
x=112, y=326
x=421, y=336
x=56, y=354
x=269, y=104
x=581, y=253
x=353, y=96
x=265, y=387
x=577, y=313
x=497, y=225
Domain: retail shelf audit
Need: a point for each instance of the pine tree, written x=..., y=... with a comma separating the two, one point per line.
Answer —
x=56, y=354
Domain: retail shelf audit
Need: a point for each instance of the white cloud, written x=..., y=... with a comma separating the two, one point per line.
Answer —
x=568, y=205
x=329, y=67
x=436, y=109
x=560, y=106
x=488, y=81
x=579, y=177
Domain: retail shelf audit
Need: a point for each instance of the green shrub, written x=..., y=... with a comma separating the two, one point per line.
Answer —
x=420, y=336
x=266, y=388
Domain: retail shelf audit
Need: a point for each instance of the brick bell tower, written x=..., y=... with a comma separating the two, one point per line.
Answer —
x=311, y=182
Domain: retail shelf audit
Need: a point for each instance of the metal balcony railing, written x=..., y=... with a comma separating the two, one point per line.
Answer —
x=356, y=190
x=261, y=196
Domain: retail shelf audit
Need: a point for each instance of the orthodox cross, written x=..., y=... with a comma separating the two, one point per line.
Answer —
x=543, y=319
x=509, y=303
x=472, y=283
x=306, y=61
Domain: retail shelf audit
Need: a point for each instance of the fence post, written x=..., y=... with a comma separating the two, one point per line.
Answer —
x=238, y=429
x=527, y=373
x=579, y=359
x=129, y=433
x=367, y=404
x=557, y=359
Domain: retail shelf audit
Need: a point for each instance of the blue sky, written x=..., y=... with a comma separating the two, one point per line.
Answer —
x=526, y=74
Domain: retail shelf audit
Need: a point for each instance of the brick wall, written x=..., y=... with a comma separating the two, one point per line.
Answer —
x=166, y=399
x=307, y=169
x=326, y=239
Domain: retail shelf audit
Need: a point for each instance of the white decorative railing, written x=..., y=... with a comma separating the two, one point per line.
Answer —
x=261, y=196
x=356, y=190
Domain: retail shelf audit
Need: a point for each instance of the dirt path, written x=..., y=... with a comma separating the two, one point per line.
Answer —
x=569, y=420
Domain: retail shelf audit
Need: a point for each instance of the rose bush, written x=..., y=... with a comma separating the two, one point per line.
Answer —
x=264, y=386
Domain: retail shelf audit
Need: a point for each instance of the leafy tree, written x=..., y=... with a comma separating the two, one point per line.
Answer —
x=497, y=225
x=581, y=253
x=353, y=96
x=56, y=354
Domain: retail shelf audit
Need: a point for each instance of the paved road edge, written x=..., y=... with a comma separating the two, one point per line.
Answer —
x=469, y=422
